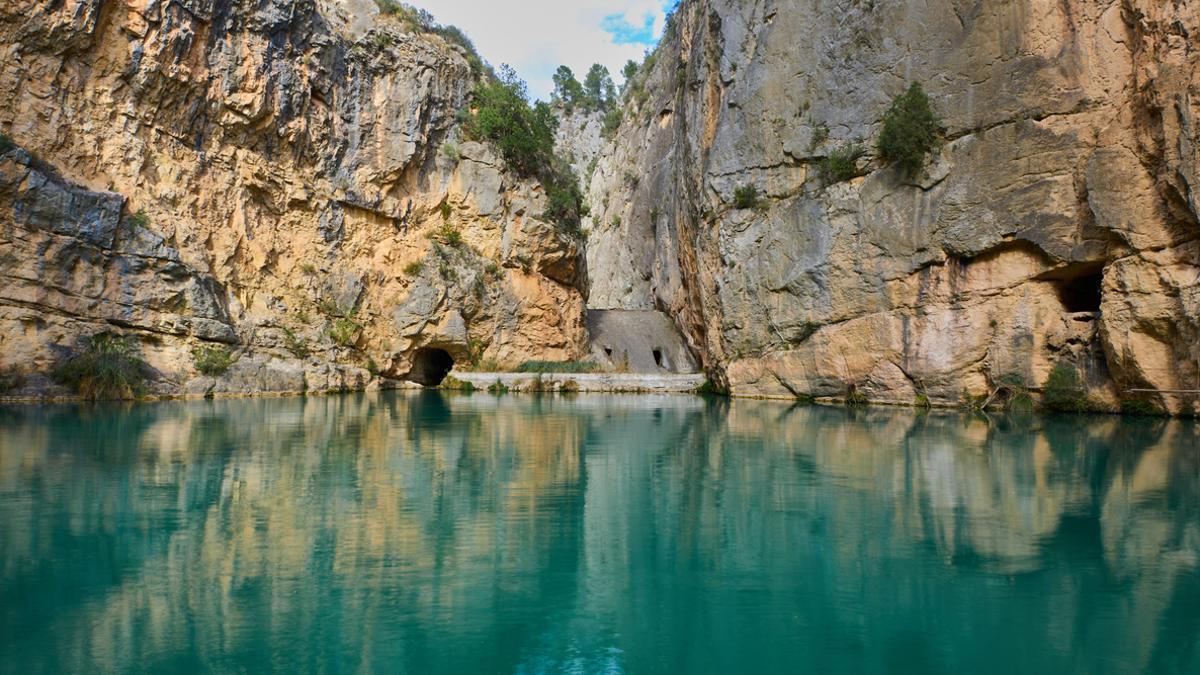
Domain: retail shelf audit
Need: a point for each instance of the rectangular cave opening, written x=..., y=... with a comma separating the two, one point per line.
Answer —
x=1082, y=293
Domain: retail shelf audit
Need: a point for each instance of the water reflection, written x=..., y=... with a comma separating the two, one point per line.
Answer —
x=434, y=533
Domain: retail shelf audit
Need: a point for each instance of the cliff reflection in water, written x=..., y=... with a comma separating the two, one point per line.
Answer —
x=435, y=533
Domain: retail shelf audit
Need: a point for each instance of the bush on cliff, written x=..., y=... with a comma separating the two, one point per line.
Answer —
x=108, y=367
x=842, y=164
x=212, y=361
x=910, y=131
x=746, y=197
x=1063, y=391
x=421, y=21
x=501, y=114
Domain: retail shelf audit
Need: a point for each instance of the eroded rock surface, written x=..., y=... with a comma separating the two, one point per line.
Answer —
x=1057, y=221
x=282, y=176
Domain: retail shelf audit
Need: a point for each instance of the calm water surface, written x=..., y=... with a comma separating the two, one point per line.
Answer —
x=432, y=533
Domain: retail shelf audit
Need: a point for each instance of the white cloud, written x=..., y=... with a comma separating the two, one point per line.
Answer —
x=536, y=36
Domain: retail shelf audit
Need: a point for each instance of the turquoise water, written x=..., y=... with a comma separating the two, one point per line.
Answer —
x=433, y=533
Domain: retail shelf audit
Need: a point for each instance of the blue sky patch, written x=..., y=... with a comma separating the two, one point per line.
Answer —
x=625, y=33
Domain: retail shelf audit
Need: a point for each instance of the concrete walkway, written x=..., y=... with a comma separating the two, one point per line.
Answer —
x=582, y=382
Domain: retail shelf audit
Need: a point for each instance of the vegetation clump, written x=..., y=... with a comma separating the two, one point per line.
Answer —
x=448, y=234
x=596, y=93
x=140, y=219
x=557, y=367
x=212, y=360
x=611, y=123
x=500, y=113
x=295, y=344
x=1063, y=390
x=453, y=383
x=746, y=197
x=497, y=387
x=344, y=331
x=1141, y=408
x=1016, y=393
x=414, y=268
x=910, y=131
x=842, y=164
x=421, y=21
x=6, y=143
x=108, y=367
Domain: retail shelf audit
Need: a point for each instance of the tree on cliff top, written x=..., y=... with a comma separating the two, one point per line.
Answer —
x=910, y=131
x=598, y=89
x=567, y=89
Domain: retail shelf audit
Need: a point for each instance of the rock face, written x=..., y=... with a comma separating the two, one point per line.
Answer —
x=1057, y=222
x=286, y=177
x=282, y=176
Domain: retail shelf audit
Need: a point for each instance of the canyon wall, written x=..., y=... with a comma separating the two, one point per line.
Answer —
x=281, y=176
x=1056, y=222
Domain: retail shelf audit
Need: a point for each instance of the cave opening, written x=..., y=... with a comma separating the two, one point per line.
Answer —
x=1081, y=293
x=658, y=357
x=430, y=366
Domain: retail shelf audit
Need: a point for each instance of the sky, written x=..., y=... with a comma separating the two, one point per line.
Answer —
x=536, y=36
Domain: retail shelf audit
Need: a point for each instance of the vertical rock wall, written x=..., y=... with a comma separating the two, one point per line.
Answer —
x=298, y=160
x=1057, y=222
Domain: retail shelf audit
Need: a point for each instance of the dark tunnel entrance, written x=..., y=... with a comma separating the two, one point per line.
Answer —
x=430, y=366
x=1082, y=293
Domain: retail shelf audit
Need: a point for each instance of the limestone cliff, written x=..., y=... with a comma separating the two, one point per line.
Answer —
x=1056, y=222
x=283, y=176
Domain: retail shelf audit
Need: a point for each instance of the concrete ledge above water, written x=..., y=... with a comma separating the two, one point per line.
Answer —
x=581, y=382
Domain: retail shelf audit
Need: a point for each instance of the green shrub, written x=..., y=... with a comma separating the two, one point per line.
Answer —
x=295, y=344
x=612, y=122
x=922, y=401
x=309, y=269
x=746, y=197
x=1141, y=408
x=910, y=131
x=709, y=387
x=497, y=387
x=557, y=367
x=856, y=398
x=820, y=134
x=344, y=332
x=453, y=383
x=447, y=234
x=564, y=203
x=108, y=367
x=842, y=164
x=140, y=219
x=500, y=113
x=414, y=268
x=1063, y=391
x=212, y=360
x=1016, y=392
x=446, y=210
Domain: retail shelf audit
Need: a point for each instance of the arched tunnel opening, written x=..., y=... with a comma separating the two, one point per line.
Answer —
x=430, y=366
